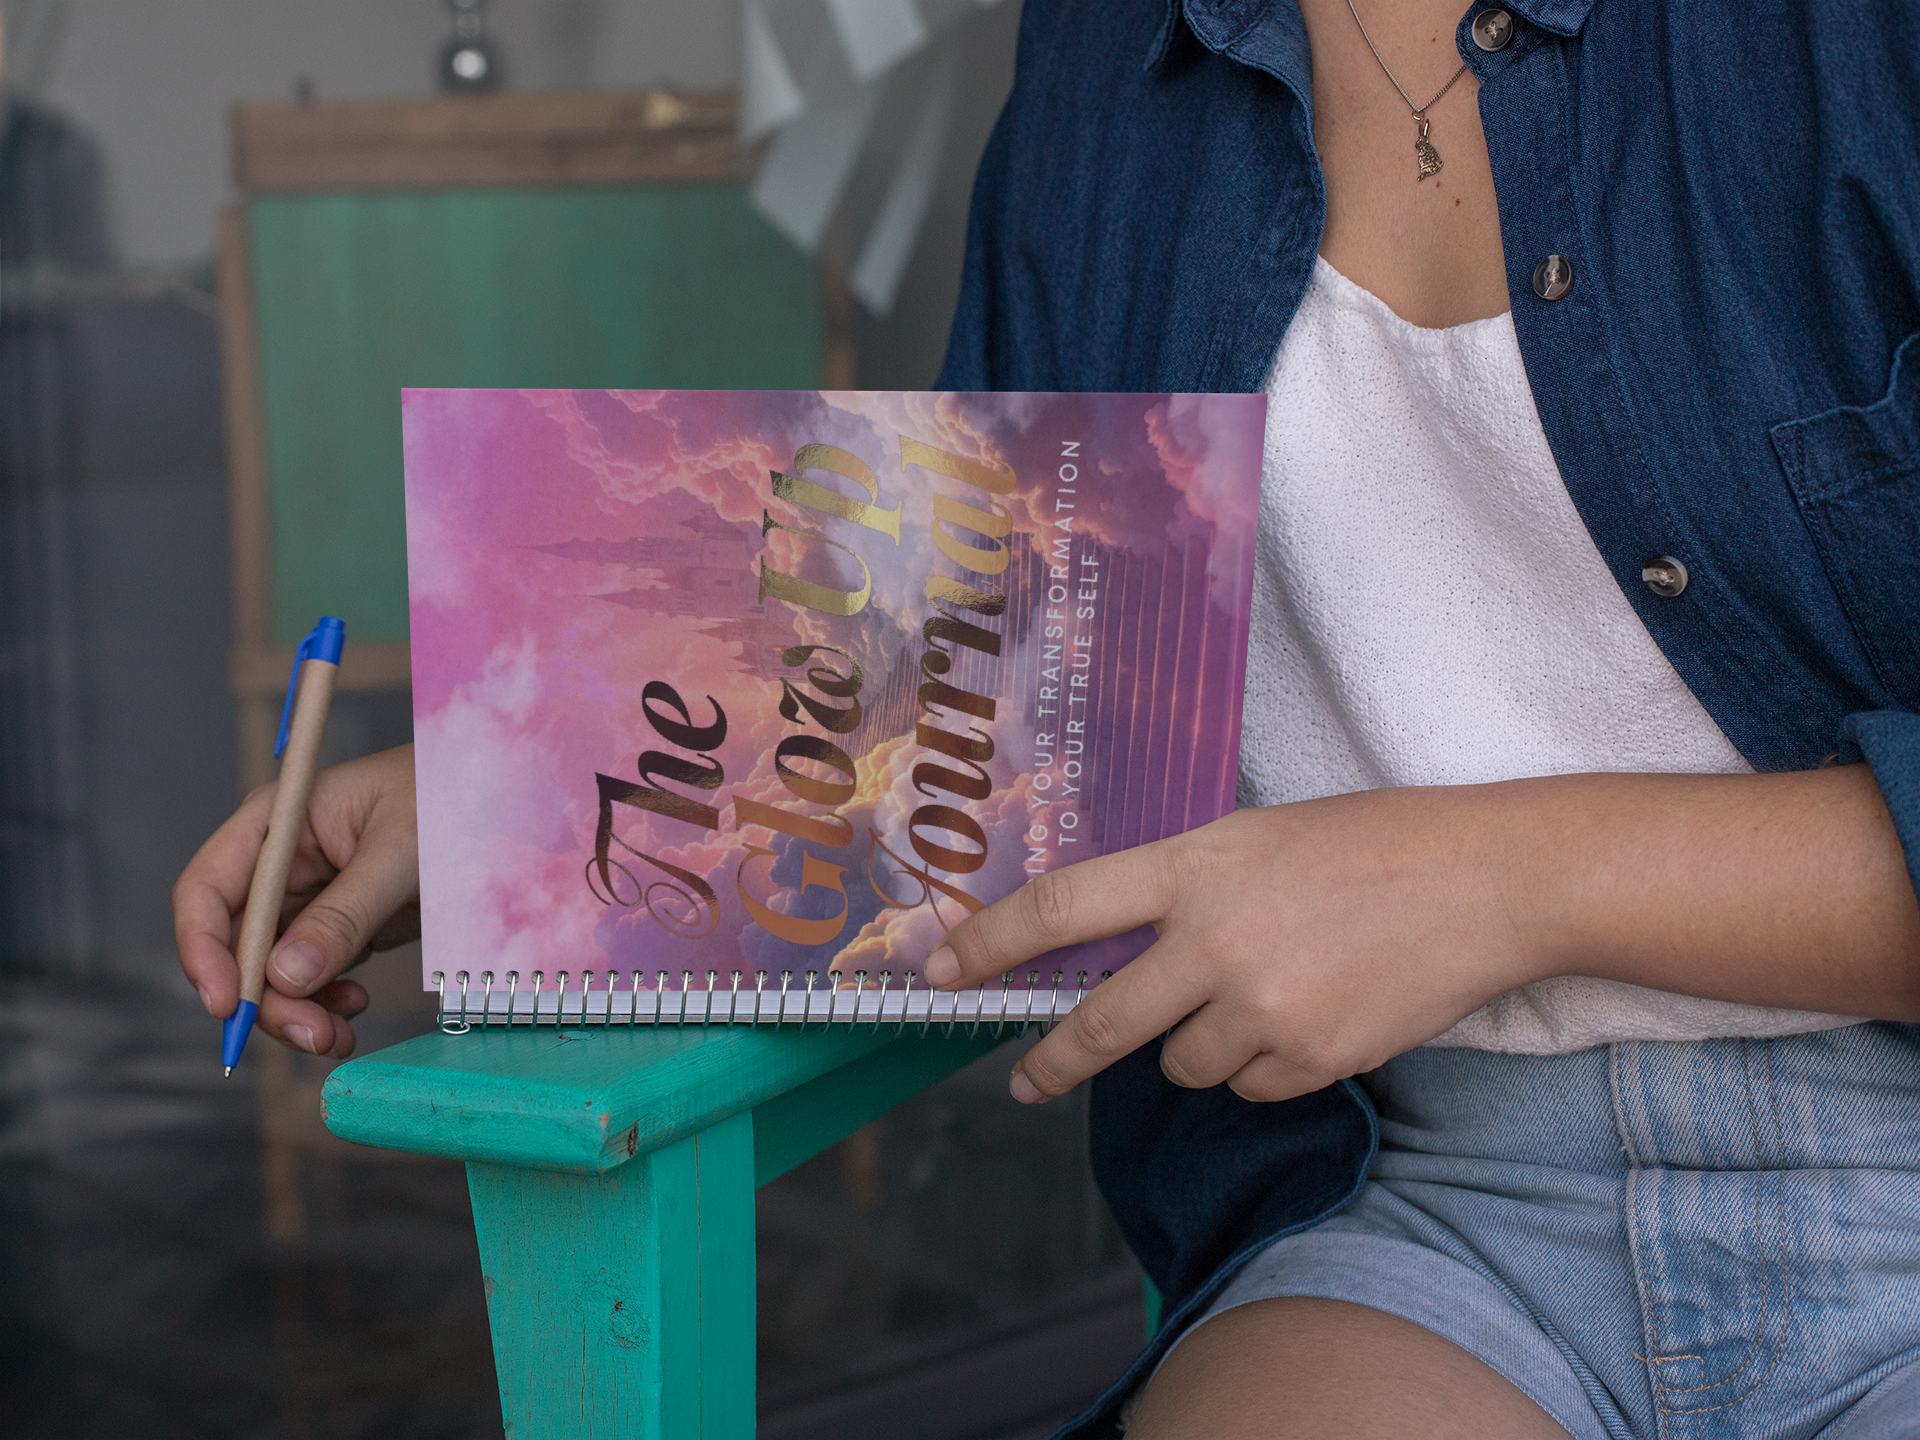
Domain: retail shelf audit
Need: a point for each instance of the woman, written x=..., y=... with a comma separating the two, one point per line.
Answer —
x=1589, y=530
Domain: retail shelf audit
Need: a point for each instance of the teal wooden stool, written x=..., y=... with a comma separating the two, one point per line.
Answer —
x=612, y=1171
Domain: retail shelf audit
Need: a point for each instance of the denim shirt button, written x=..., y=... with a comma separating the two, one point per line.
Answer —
x=1664, y=576
x=1552, y=277
x=1492, y=29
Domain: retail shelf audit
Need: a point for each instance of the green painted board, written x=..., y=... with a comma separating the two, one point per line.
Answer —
x=622, y=1305
x=588, y=1100
x=359, y=295
x=801, y=1123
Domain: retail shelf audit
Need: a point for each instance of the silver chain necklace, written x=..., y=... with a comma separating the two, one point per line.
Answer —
x=1423, y=150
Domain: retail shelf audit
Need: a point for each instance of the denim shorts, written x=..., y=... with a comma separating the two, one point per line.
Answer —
x=1655, y=1240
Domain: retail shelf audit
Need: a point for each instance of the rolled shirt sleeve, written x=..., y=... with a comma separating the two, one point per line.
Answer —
x=1889, y=742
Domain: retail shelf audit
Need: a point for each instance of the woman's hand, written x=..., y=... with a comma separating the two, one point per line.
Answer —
x=354, y=888
x=1304, y=943
x=1298, y=944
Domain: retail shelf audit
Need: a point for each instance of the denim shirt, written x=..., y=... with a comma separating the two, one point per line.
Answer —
x=1732, y=380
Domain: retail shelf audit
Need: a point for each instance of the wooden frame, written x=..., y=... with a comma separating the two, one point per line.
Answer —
x=594, y=138
x=649, y=137
x=257, y=667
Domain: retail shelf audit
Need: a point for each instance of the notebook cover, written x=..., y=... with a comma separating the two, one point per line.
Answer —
x=788, y=681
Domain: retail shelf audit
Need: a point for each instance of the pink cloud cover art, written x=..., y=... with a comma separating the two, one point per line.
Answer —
x=787, y=681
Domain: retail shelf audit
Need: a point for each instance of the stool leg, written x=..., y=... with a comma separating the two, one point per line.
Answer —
x=622, y=1304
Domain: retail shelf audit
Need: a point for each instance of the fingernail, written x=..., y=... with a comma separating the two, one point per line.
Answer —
x=206, y=1000
x=298, y=963
x=1024, y=1090
x=301, y=1036
x=943, y=967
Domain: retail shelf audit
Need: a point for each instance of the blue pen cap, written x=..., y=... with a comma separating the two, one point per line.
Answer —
x=327, y=638
x=324, y=642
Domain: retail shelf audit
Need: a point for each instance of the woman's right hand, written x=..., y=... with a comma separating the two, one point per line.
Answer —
x=354, y=888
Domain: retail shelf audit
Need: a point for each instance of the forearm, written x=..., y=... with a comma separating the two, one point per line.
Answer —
x=1784, y=890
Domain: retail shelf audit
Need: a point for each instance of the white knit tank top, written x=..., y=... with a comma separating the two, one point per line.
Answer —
x=1428, y=609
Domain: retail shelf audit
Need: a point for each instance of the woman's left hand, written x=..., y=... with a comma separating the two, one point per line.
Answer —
x=1298, y=944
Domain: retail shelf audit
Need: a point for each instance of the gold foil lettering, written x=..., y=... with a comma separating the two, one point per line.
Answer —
x=658, y=799
x=927, y=884
x=831, y=831
x=682, y=732
x=938, y=692
x=814, y=872
x=967, y=787
x=957, y=822
x=696, y=895
x=995, y=524
x=973, y=747
x=806, y=593
x=935, y=661
x=836, y=719
x=990, y=601
x=827, y=682
x=812, y=747
x=971, y=472
x=802, y=491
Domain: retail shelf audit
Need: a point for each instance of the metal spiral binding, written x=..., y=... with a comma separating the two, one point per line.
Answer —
x=499, y=1001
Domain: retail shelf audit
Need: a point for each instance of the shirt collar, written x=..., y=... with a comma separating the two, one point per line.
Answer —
x=1271, y=35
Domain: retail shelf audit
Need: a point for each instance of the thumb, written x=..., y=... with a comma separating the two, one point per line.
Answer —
x=337, y=927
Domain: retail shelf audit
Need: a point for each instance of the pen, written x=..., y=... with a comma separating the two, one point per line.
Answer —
x=303, y=720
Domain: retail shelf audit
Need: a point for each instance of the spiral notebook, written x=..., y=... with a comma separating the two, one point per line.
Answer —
x=729, y=704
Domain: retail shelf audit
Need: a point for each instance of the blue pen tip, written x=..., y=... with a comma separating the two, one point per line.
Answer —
x=233, y=1033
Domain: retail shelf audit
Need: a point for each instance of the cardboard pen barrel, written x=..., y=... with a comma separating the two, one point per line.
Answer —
x=301, y=762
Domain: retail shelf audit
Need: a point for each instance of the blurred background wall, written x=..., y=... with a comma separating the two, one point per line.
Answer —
x=151, y=80
x=948, y=1272
x=117, y=164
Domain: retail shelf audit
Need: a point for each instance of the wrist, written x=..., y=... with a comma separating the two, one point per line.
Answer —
x=1545, y=842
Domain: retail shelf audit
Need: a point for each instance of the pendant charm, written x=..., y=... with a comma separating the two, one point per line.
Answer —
x=1424, y=152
